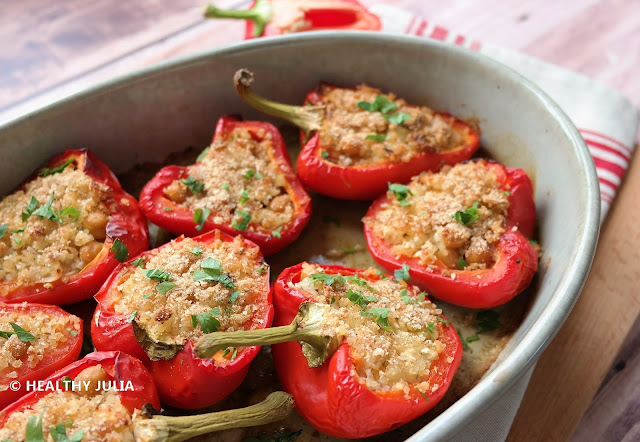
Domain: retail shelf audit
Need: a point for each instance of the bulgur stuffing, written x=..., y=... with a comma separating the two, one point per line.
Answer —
x=51, y=331
x=353, y=136
x=238, y=176
x=389, y=355
x=52, y=228
x=455, y=216
x=167, y=316
x=98, y=415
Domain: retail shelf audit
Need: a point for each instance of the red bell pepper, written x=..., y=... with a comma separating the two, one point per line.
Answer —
x=179, y=219
x=119, y=367
x=56, y=356
x=516, y=260
x=328, y=395
x=183, y=380
x=321, y=173
x=126, y=224
x=266, y=18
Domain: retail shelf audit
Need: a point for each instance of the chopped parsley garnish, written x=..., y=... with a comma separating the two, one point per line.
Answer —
x=59, y=434
x=121, y=253
x=421, y=393
x=359, y=300
x=276, y=233
x=462, y=340
x=243, y=222
x=194, y=185
x=330, y=279
x=226, y=352
x=6, y=334
x=406, y=298
x=164, y=287
x=197, y=250
x=29, y=209
x=133, y=316
x=422, y=296
x=235, y=353
x=430, y=327
x=33, y=431
x=533, y=242
x=331, y=220
x=72, y=332
x=199, y=217
x=378, y=138
x=139, y=262
x=486, y=321
x=3, y=230
x=202, y=155
x=385, y=107
x=70, y=211
x=157, y=275
x=208, y=322
x=402, y=274
x=262, y=269
x=401, y=193
x=20, y=230
x=17, y=240
x=234, y=296
x=507, y=193
x=461, y=264
x=324, y=154
x=444, y=321
x=250, y=173
x=212, y=272
x=398, y=119
x=380, y=315
x=225, y=186
x=244, y=196
x=46, y=171
x=167, y=209
x=22, y=334
x=332, y=300
x=46, y=211
x=467, y=216
x=148, y=295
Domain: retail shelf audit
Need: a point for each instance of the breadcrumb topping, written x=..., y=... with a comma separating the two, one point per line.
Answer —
x=390, y=355
x=51, y=332
x=60, y=243
x=427, y=224
x=238, y=176
x=167, y=317
x=99, y=415
x=353, y=136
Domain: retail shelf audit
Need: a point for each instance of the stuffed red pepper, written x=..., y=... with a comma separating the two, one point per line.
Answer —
x=461, y=234
x=35, y=341
x=375, y=353
x=155, y=306
x=359, y=139
x=266, y=18
x=242, y=184
x=64, y=231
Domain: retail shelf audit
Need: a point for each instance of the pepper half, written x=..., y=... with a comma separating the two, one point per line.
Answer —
x=266, y=18
x=514, y=263
x=126, y=224
x=182, y=220
x=183, y=379
x=319, y=374
x=57, y=355
x=324, y=174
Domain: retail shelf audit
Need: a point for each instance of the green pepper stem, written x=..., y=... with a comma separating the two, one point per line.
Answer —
x=275, y=407
x=307, y=118
x=260, y=14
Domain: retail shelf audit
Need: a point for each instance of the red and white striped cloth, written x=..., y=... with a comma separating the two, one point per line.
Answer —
x=607, y=120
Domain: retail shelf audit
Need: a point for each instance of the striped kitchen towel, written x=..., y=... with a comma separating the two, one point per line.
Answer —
x=607, y=120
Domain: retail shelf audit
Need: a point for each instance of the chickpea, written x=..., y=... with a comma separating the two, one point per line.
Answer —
x=89, y=251
x=96, y=224
x=17, y=348
x=93, y=375
x=477, y=255
x=279, y=203
x=176, y=192
x=448, y=257
x=454, y=237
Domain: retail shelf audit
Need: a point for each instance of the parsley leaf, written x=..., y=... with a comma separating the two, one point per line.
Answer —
x=402, y=274
x=157, y=275
x=46, y=171
x=401, y=193
x=461, y=264
x=250, y=173
x=3, y=230
x=28, y=211
x=359, y=300
x=381, y=316
x=6, y=334
x=380, y=104
x=327, y=278
x=22, y=334
x=421, y=393
x=244, y=196
x=139, y=262
x=378, y=138
x=72, y=332
x=486, y=321
x=133, y=316
x=406, y=298
x=197, y=250
x=430, y=327
x=398, y=119
x=70, y=211
x=199, y=217
x=212, y=272
x=34, y=429
x=165, y=287
x=467, y=216
x=208, y=322
x=444, y=321
x=202, y=155
x=194, y=185
x=276, y=233
x=59, y=434
x=243, y=223
x=324, y=154
x=121, y=253
x=262, y=269
x=225, y=186
x=234, y=296
x=46, y=211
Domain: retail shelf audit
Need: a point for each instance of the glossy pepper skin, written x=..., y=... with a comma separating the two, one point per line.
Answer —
x=126, y=223
x=370, y=181
x=516, y=260
x=53, y=360
x=333, y=400
x=185, y=381
x=119, y=367
x=179, y=220
x=266, y=18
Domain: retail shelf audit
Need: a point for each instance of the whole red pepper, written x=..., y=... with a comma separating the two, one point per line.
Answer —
x=119, y=367
x=185, y=381
x=275, y=17
x=126, y=224
x=179, y=219
x=321, y=174
x=54, y=359
x=516, y=261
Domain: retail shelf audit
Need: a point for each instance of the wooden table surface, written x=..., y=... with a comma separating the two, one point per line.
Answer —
x=49, y=49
